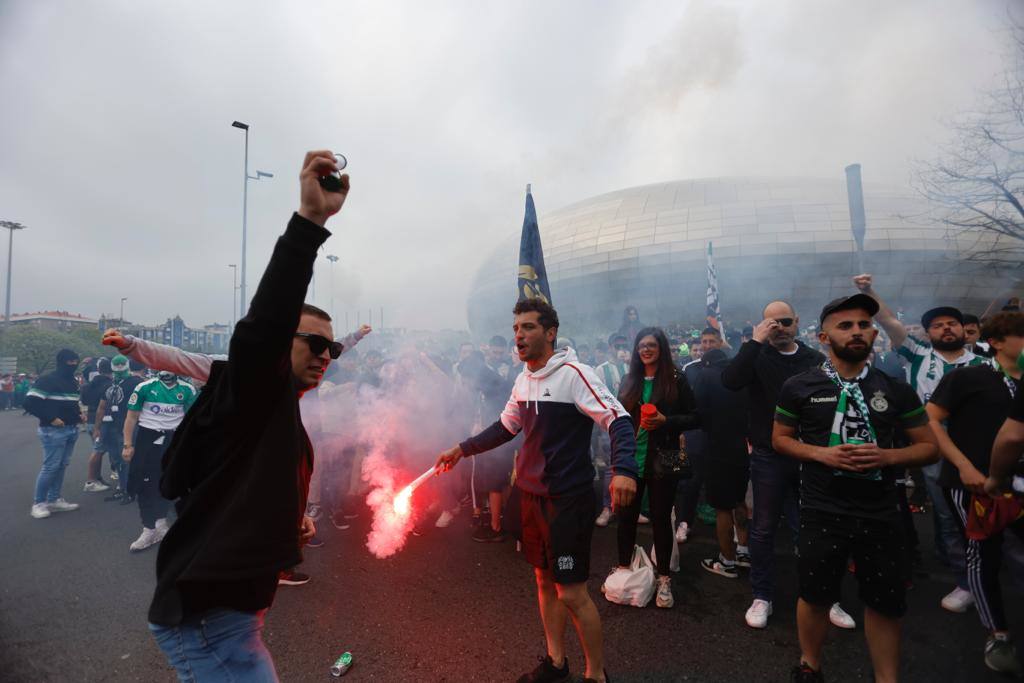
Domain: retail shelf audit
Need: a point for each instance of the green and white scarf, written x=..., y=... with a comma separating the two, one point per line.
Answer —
x=849, y=391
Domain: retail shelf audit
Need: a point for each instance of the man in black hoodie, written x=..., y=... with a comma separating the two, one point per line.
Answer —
x=54, y=401
x=761, y=366
x=240, y=463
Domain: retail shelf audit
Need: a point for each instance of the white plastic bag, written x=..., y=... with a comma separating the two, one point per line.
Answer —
x=673, y=562
x=633, y=586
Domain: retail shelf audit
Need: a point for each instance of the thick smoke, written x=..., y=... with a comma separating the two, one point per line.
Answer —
x=401, y=425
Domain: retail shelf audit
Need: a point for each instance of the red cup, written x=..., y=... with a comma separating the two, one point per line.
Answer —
x=648, y=410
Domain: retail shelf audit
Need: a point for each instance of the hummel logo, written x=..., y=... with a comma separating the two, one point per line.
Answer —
x=547, y=392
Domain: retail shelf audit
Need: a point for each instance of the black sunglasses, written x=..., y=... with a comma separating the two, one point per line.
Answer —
x=785, y=322
x=319, y=343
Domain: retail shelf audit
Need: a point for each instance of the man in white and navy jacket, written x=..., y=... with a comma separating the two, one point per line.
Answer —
x=555, y=402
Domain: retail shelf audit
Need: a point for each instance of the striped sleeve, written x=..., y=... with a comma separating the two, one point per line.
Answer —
x=787, y=410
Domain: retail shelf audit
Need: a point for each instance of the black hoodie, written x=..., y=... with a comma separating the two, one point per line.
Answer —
x=724, y=414
x=240, y=462
x=55, y=395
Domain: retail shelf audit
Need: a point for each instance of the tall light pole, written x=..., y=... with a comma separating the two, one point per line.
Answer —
x=11, y=227
x=245, y=205
x=123, y=299
x=234, y=288
x=333, y=259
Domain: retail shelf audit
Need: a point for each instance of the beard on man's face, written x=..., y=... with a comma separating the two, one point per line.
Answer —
x=851, y=354
x=948, y=343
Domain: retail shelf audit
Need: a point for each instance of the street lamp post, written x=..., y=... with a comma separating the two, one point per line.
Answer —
x=245, y=206
x=234, y=288
x=333, y=259
x=11, y=227
x=123, y=299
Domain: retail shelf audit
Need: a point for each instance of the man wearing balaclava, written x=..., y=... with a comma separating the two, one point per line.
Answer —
x=53, y=400
x=108, y=429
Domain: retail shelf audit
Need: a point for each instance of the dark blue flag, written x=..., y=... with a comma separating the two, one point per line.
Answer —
x=533, y=277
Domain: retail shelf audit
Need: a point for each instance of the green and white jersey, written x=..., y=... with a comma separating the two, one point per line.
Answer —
x=161, y=407
x=926, y=367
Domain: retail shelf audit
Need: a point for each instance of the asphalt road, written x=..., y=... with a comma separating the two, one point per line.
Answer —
x=73, y=604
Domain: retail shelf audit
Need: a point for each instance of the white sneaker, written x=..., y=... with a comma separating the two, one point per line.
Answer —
x=162, y=526
x=643, y=519
x=757, y=615
x=958, y=600
x=664, y=598
x=113, y=476
x=682, y=532
x=95, y=487
x=444, y=520
x=604, y=517
x=839, y=618
x=147, y=538
x=40, y=510
x=61, y=505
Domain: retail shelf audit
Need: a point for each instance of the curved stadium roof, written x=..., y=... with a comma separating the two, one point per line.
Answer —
x=785, y=238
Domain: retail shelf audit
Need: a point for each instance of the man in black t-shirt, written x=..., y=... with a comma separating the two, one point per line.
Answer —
x=840, y=420
x=973, y=403
x=108, y=426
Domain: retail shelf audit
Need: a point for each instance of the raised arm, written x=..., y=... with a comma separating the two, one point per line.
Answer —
x=349, y=341
x=162, y=356
x=885, y=317
x=261, y=344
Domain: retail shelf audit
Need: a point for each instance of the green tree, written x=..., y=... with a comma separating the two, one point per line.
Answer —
x=36, y=349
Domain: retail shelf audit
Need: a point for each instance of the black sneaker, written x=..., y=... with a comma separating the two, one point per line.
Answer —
x=116, y=495
x=487, y=534
x=547, y=673
x=805, y=674
x=743, y=560
x=290, y=578
x=339, y=521
x=315, y=542
x=127, y=500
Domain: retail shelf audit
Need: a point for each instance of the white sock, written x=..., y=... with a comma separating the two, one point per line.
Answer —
x=742, y=550
x=725, y=562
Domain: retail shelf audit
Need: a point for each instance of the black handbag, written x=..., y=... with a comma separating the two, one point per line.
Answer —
x=671, y=462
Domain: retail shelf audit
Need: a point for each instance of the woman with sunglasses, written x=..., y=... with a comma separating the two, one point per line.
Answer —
x=653, y=379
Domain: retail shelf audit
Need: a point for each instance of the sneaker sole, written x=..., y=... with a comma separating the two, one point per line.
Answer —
x=954, y=610
x=283, y=582
x=64, y=510
x=718, y=572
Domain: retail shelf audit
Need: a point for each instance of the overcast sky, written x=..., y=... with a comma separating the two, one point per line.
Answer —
x=116, y=148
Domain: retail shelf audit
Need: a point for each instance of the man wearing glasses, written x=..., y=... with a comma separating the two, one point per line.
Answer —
x=762, y=365
x=241, y=461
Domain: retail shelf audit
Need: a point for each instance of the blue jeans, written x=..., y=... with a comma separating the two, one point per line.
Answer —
x=58, y=445
x=221, y=645
x=112, y=441
x=776, y=483
x=950, y=546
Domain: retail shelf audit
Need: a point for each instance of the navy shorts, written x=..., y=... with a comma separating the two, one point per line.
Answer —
x=556, y=533
x=877, y=547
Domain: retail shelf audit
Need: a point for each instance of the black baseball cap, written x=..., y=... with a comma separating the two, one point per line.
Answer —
x=929, y=316
x=849, y=303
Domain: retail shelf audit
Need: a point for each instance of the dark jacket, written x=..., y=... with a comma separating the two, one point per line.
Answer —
x=761, y=369
x=239, y=464
x=92, y=393
x=55, y=395
x=681, y=415
x=724, y=414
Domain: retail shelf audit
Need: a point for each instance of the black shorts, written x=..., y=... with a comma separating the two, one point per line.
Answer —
x=828, y=541
x=556, y=533
x=726, y=486
x=493, y=471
